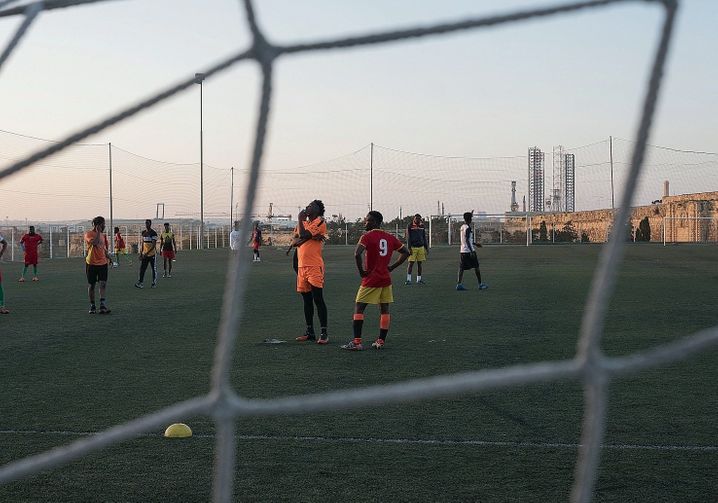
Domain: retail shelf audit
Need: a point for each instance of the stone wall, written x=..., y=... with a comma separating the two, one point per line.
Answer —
x=681, y=224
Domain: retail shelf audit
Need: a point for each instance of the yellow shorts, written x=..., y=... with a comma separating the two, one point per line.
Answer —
x=375, y=295
x=308, y=277
x=418, y=254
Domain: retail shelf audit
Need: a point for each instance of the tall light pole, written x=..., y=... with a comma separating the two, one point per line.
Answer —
x=200, y=79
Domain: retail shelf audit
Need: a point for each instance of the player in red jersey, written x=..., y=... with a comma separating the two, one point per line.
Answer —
x=120, y=247
x=29, y=243
x=376, y=277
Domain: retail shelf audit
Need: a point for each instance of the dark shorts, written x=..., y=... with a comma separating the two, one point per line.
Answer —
x=469, y=261
x=96, y=273
x=168, y=254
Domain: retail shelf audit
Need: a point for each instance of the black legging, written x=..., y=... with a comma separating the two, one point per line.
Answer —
x=316, y=296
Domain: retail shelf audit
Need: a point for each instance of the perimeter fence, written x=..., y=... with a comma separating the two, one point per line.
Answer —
x=97, y=177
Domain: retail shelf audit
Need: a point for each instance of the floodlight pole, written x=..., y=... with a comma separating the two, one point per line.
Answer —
x=371, y=176
x=610, y=154
x=111, y=233
x=200, y=80
x=231, y=200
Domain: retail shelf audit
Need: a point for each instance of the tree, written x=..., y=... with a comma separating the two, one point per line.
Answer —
x=644, y=230
x=543, y=232
x=568, y=234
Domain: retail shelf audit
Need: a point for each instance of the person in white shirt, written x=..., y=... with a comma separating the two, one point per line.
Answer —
x=234, y=237
x=468, y=260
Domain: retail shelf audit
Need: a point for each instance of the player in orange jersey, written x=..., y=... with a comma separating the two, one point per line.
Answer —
x=96, y=263
x=310, y=269
x=376, y=277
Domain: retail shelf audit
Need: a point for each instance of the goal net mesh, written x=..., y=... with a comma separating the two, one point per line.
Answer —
x=224, y=405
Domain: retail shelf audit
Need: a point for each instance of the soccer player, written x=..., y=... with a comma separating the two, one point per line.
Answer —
x=3, y=309
x=469, y=260
x=418, y=246
x=96, y=263
x=169, y=250
x=29, y=243
x=256, y=241
x=120, y=247
x=234, y=237
x=376, y=277
x=147, y=254
x=310, y=269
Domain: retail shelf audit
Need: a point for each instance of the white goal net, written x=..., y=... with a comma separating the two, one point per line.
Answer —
x=225, y=406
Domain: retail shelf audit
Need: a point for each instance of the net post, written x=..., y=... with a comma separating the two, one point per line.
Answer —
x=50, y=238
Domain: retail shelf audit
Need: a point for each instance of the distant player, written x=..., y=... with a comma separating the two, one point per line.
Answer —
x=169, y=250
x=376, y=277
x=3, y=309
x=234, y=237
x=120, y=247
x=310, y=270
x=96, y=263
x=29, y=243
x=468, y=259
x=256, y=242
x=148, y=253
x=418, y=246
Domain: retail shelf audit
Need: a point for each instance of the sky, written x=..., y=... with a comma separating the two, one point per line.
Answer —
x=571, y=80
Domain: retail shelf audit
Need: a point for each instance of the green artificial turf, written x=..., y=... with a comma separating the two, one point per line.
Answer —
x=66, y=373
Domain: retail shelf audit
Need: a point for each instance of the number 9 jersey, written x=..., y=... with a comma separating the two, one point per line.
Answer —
x=379, y=246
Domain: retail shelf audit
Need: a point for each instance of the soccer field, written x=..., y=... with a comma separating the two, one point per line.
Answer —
x=67, y=374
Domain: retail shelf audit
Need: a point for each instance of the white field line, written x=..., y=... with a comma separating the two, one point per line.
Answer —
x=398, y=441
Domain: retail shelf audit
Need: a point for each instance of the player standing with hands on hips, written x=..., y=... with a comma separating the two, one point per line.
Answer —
x=376, y=277
x=30, y=243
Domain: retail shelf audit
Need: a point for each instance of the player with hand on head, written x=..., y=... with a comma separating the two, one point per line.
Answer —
x=418, y=247
x=468, y=259
x=29, y=244
x=96, y=263
x=376, y=277
x=310, y=269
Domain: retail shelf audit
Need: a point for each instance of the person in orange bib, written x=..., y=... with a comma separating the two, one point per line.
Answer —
x=376, y=277
x=96, y=263
x=310, y=269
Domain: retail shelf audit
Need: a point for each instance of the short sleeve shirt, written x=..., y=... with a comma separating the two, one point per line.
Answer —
x=31, y=242
x=96, y=255
x=467, y=239
x=379, y=246
x=167, y=240
x=310, y=252
x=149, y=241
